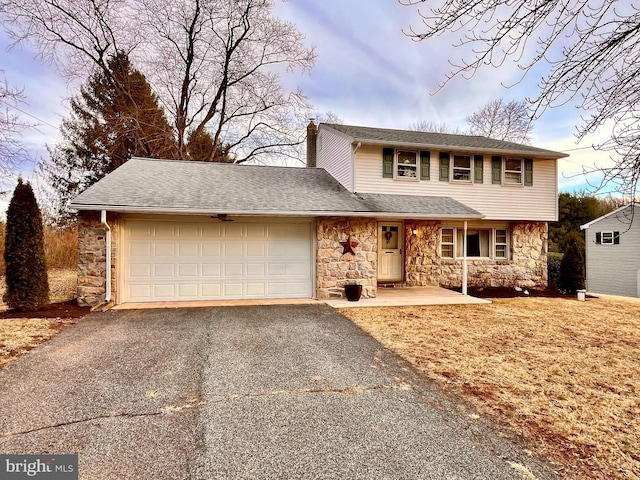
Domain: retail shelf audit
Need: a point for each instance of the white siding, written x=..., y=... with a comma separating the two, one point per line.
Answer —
x=334, y=155
x=613, y=269
x=497, y=202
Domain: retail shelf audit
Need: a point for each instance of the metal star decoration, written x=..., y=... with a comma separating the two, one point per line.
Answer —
x=348, y=245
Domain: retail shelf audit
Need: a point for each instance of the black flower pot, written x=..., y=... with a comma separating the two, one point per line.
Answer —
x=353, y=292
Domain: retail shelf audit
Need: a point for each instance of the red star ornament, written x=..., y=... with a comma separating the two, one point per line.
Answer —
x=349, y=244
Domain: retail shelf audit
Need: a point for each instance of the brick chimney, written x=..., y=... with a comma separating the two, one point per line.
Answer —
x=312, y=130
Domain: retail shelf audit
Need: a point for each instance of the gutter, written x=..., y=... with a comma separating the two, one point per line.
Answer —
x=278, y=213
x=107, y=288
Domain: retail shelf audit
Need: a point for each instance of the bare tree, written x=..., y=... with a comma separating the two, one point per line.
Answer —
x=216, y=65
x=591, y=48
x=12, y=152
x=430, y=126
x=508, y=121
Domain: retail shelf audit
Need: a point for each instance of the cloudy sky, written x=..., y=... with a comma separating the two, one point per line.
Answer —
x=368, y=72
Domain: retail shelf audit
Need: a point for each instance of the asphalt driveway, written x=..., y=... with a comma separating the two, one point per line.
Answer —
x=242, y=392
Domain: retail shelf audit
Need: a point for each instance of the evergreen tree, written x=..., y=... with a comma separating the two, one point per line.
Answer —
x=572, y=267
x=200, y=147
x=115, y=116
x=25, y=264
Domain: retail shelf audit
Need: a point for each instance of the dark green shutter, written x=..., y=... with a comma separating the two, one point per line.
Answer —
x=444, y=166
x=598, y=238
x=528, y=172
x=425, y=165
x=616, y=238
x=387, y=162
x=496, y=170
x=478, y=168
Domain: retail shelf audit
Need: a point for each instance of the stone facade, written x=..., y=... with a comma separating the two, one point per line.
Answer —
x=526, y=267
x=334, y=270
x=92, y=258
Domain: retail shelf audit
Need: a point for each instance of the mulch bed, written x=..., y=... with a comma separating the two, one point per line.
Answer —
x=68, y=309
x=508, y=292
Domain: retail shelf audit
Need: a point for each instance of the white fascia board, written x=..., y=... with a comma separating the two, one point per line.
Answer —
x=271, y=213
x=617, y=210
x=427, y=146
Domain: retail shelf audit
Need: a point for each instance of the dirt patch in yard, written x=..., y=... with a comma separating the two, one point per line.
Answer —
x=564, y=373
x=22, y=331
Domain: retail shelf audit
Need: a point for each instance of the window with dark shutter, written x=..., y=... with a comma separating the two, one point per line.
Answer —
x=496, y=170
x=444, y=166
x=616, y=238
x=425, y=165
x=478, y=168
x=528, y=172
x=387, y=162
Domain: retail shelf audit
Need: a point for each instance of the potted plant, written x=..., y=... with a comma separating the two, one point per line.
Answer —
x=353, y=292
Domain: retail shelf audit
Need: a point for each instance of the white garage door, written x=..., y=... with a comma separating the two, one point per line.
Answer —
x=213, y=260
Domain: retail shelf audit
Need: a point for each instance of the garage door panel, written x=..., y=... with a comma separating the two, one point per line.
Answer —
x=187, y=270
x=214, y=260
x=211, y=249
x=211, y=269
x=233, y=269
x=164, y=230
x=140, y=270
x=188, y=249
x=164, y=270
x=164, y=291
x=164, y=249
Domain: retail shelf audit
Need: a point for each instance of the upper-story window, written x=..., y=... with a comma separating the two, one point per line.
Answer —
x=462, y=168
x=406, y=164
x=513, y=171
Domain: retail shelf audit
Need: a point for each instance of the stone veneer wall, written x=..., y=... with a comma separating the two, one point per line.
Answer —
x=527, y=266
x=92, y=260
x=334, y=270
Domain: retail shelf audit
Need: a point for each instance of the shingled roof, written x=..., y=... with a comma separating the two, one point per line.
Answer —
x=173, y=186
x=445, y=141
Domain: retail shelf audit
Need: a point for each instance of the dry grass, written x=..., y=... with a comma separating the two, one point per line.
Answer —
x=562, y=372
x=19, y=335
x=60, y=247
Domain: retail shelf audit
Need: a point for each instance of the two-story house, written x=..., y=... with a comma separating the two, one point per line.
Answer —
x=374, y=206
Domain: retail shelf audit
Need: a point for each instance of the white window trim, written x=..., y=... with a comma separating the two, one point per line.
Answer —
x=608, y=232
x=452, y=242
x=396, y=164
x=470, y=169
x=492, y=244
x=505, y=171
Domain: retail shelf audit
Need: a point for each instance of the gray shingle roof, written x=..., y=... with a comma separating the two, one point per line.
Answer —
x=173, y=186
x=439, y=140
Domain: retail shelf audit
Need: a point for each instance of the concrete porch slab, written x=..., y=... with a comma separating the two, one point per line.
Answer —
x=408, y=296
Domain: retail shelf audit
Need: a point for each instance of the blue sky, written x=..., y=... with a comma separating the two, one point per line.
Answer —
x=368, y=72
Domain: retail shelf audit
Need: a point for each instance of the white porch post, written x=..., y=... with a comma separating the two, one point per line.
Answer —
x=464, y=260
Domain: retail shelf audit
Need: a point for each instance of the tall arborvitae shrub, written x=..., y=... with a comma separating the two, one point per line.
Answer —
x=572, y=267
x=25, y=264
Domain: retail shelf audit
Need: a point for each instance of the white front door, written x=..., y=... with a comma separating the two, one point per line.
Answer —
x=390, y=241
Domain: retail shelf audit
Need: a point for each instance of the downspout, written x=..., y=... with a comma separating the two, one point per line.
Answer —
x=464, y=260
x=107, y=289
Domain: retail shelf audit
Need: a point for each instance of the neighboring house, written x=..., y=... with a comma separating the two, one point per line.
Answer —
x=415, y=209
x=612, y=252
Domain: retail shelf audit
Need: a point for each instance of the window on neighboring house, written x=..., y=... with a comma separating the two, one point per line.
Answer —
x=406, y=164
x=481, y=243
x=447, y=243
x=513, y=171
x=608, y=238
x=462, y=168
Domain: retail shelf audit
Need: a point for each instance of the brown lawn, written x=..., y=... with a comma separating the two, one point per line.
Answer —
x=20, y=332
x=563, y=373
